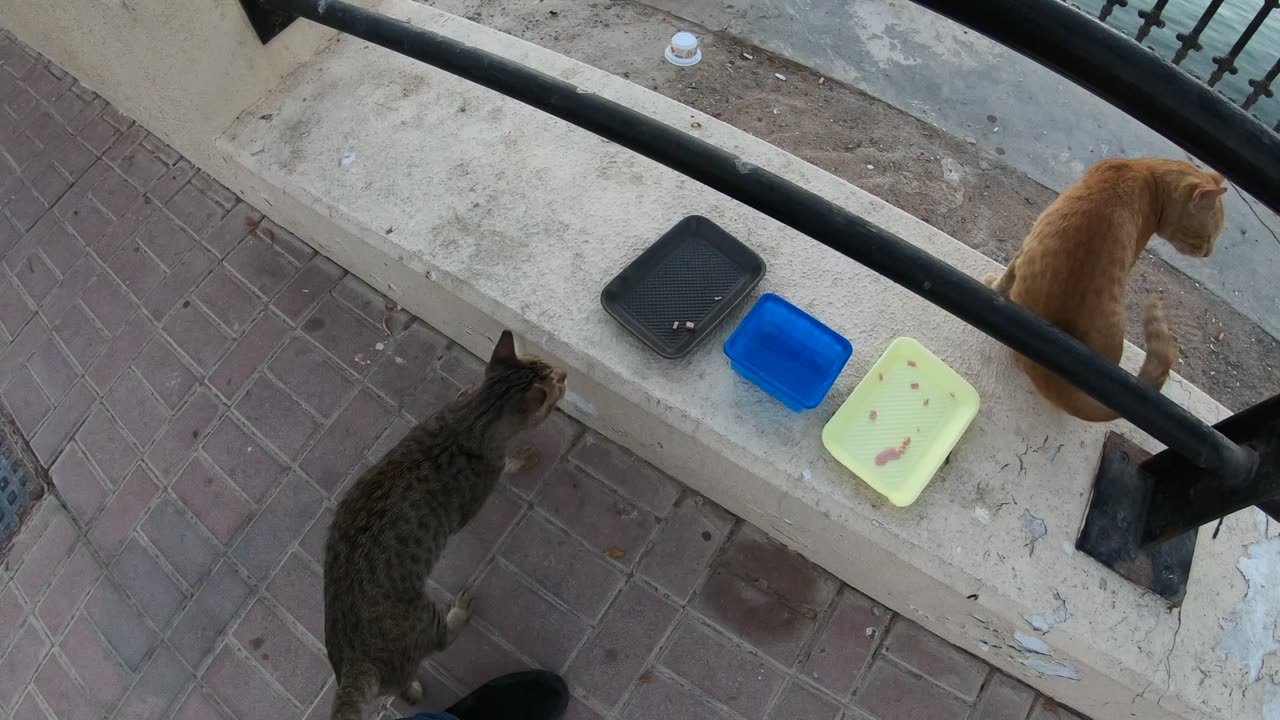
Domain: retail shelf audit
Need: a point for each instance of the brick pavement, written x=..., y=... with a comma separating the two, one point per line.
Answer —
x=203, y=385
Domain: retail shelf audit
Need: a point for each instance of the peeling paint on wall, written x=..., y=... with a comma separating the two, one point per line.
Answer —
x=1251, y=636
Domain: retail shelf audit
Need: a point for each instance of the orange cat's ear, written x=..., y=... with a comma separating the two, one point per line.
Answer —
x=504, y=353
x=1206, y=197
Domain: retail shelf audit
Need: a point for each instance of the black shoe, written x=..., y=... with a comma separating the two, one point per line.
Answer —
x=530, y=695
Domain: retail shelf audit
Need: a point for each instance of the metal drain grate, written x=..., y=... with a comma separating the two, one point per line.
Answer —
x=22, y=480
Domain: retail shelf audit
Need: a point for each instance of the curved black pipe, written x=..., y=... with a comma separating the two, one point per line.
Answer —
x=1134, y=79
x=810, y=214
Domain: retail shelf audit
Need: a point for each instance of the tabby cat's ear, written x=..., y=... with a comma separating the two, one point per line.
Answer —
x=504, y=353
x=1205, y=197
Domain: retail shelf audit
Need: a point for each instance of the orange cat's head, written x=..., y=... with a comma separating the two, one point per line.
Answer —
x=1192, y=214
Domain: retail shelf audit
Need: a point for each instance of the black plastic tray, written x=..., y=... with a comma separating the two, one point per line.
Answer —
x=696, y=273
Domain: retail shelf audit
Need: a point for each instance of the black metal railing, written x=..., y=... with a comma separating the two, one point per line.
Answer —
x=1211, y=464
x=1234, y=37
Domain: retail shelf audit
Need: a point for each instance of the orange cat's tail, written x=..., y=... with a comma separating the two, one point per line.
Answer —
x=1162, y=350
x=1162, y=347
x=359, y=685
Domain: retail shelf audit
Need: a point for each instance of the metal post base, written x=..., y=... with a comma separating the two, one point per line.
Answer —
x=267, y=22
x=1117, y=513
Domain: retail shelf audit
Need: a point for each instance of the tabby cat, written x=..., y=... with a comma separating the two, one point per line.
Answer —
x=392, y=526
x=1073, y=268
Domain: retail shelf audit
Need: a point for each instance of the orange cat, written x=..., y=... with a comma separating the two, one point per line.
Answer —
x=1074, y=265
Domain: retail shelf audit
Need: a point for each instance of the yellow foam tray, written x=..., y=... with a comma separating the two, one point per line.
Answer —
x=899, y=424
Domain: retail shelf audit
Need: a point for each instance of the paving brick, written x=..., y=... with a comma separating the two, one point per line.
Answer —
x=81, y=336
x=13, y=612
x=252, y=350
x=25, y=207
x=343, y=444
x=69, y=291
x=434, y=393
x=228, y=300
x=243, y=459
x=79, y=485
x=15, y=355
x=662, y=699
x=323, y=707
x=526, y=619
x=15, y=311
x=284, y=241
x=20, y=662
x=622, y=644
x=215, y=501
x=437, y=693
x=60, y=247
x=799, y=702
x=109, y=303
x=410, y=360
x=373, y=305
x=62, y=422
x=476, y=657
x=195, y=209
x=773, y=566
x=312, y=543
x=215, y=190
x=296, y=587
x=132, y=403
x=67, y=699
x=935, y=658
x=1003, y=698
x=140, y=165
x=47, y=180
x=26, y=401
x=551, y=439
x=244, y=689
x=173, y=290
x=685, y=545
x=43, y=559
x=184, y=434
x=399, y=428
x=579, y=710
x=35, y=275
x=106, y=445
x=299, y=668
x=270, y=410
x=307, y=372
x=116, y=521
x=845, y=645
x=158, y=689
x=30, y=708
x=141, y=575
x=120, y=352
x=208, y=614
x=562, y=566
x=98, y=135
x=634, y=478
x=459, y=365
x=352, y=339
x=120, y=624
x=185, y=546
x=197, y=335
x=307, y=288
x=161, y=151
x=173, y=180
x=262, y=265
x=286, y=516
x=468, y=550
x=199, y=706
x=607, y=522
x=69, y=589
x=892, y=693
x=712, y=663
x=227, y=234
x=92, y=660
x=1046, y=709
x=758, y=617
x=53, y=370
x=136, y=269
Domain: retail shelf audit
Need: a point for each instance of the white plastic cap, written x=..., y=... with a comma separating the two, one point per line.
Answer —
x=683, y=50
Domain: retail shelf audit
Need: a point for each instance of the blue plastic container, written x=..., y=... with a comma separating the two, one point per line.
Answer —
x=788, y=353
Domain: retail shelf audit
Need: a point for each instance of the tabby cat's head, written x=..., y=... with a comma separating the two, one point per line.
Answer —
x=1192, y=214
x=523, y=390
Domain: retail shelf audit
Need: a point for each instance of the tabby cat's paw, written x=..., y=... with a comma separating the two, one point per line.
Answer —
x=462, y=603
x=413, y=693
x=522, y=459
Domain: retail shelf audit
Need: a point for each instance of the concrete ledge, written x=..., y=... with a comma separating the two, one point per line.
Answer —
x=477, y=213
